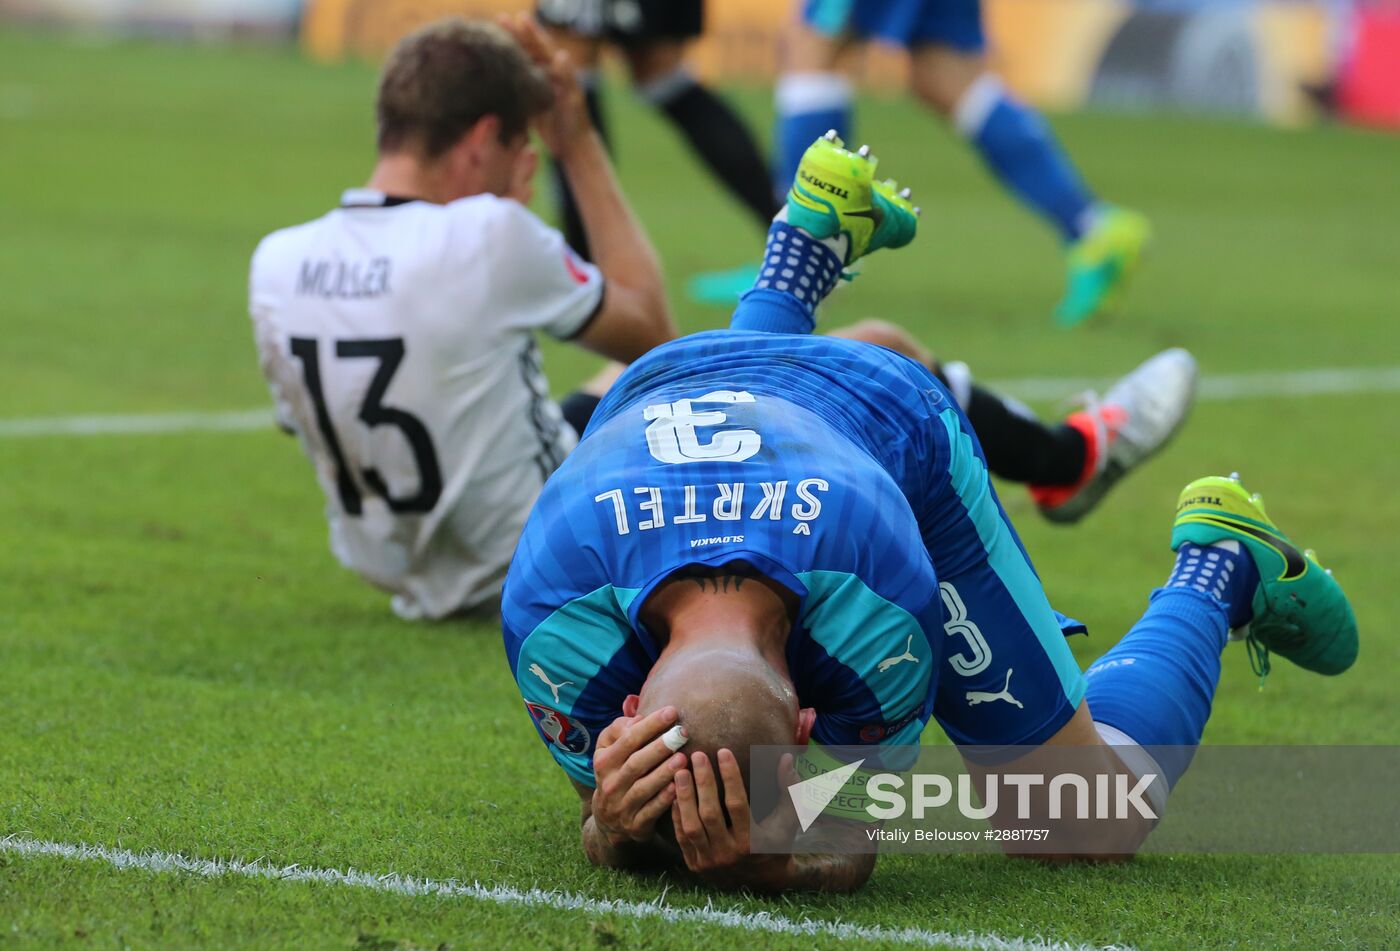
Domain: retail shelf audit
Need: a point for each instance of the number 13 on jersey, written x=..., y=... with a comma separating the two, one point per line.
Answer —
x=373, y=412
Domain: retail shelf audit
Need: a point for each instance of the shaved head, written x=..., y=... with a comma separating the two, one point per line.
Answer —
x=729, y=697
x=723, y=633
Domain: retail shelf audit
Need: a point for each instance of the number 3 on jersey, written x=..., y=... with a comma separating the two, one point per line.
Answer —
x=373, y=412
x=672, y=438
x=958, y=624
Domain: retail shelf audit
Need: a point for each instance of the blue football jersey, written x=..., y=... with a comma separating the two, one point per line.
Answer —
x=798, y=455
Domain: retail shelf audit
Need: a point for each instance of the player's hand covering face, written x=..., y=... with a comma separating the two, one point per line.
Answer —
x=721, y=850
x=634, y=769
x=566, y=121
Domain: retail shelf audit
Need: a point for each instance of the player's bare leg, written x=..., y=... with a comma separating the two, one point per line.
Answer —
x=1078, y=748
x=1104, y=242
x=1013, y=140
x=599, y=383
x=882, y=333
x=812, y=95
x=803, y=49
x=941, y=76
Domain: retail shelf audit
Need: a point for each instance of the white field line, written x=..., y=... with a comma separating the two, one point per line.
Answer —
x=167, y=862
x=1225, y=386
x=138, y=425
x=1236, y=386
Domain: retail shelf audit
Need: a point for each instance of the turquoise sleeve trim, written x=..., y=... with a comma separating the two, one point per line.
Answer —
x=862, y=630
x=571, y=646
x=561, y=657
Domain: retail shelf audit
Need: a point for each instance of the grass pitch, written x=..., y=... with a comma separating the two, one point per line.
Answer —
x=185, y=669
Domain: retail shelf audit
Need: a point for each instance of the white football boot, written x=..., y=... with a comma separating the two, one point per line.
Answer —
x=1136, y=417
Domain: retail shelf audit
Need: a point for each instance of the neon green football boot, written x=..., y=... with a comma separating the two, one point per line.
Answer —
x=1101, y=263
x=1300, y=611
x=835, y=193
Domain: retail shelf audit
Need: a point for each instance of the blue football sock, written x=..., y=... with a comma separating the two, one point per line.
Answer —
x=1221, y=570
x=798, y=272
x=808, y=105
x=1019, y=147
x=1156, y=685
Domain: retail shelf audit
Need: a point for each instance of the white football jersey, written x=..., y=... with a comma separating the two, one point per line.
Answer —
x=398, y=340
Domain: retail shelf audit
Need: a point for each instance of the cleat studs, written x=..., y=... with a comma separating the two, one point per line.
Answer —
x=906, y=193
x=831, y=136
x=1329, y=571
x=918, y=211
x=863, y=151
x=1234, y=477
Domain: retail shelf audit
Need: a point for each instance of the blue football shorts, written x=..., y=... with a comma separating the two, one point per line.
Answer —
x=907, y=23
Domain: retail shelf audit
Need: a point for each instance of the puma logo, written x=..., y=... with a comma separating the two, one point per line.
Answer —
x=889, y=662
x=554, y=688
x=974, y=697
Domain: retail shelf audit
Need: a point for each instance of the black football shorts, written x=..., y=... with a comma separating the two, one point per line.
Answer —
x=625, y=22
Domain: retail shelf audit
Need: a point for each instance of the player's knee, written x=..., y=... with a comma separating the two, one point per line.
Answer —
x=929, y=91
x=803, y=50
x=941, y=77
x=940, y=92
x=872, y=330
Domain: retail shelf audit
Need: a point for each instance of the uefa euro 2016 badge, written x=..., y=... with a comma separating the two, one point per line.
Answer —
x=564, y=732
x=873, y=732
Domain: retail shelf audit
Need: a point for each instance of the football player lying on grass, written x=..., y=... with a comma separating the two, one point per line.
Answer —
x=397, y=332
x=769, y=538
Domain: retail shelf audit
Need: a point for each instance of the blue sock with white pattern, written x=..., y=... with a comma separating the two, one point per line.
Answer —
x=1156, y=685
x=1223, y=571
x=798, y=272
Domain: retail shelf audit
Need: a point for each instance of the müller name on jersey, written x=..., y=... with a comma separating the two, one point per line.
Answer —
x=344, y=280
x=722, y=502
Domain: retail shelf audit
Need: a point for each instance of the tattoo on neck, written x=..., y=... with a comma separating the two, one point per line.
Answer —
x=723, y=579
x=719, y=583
